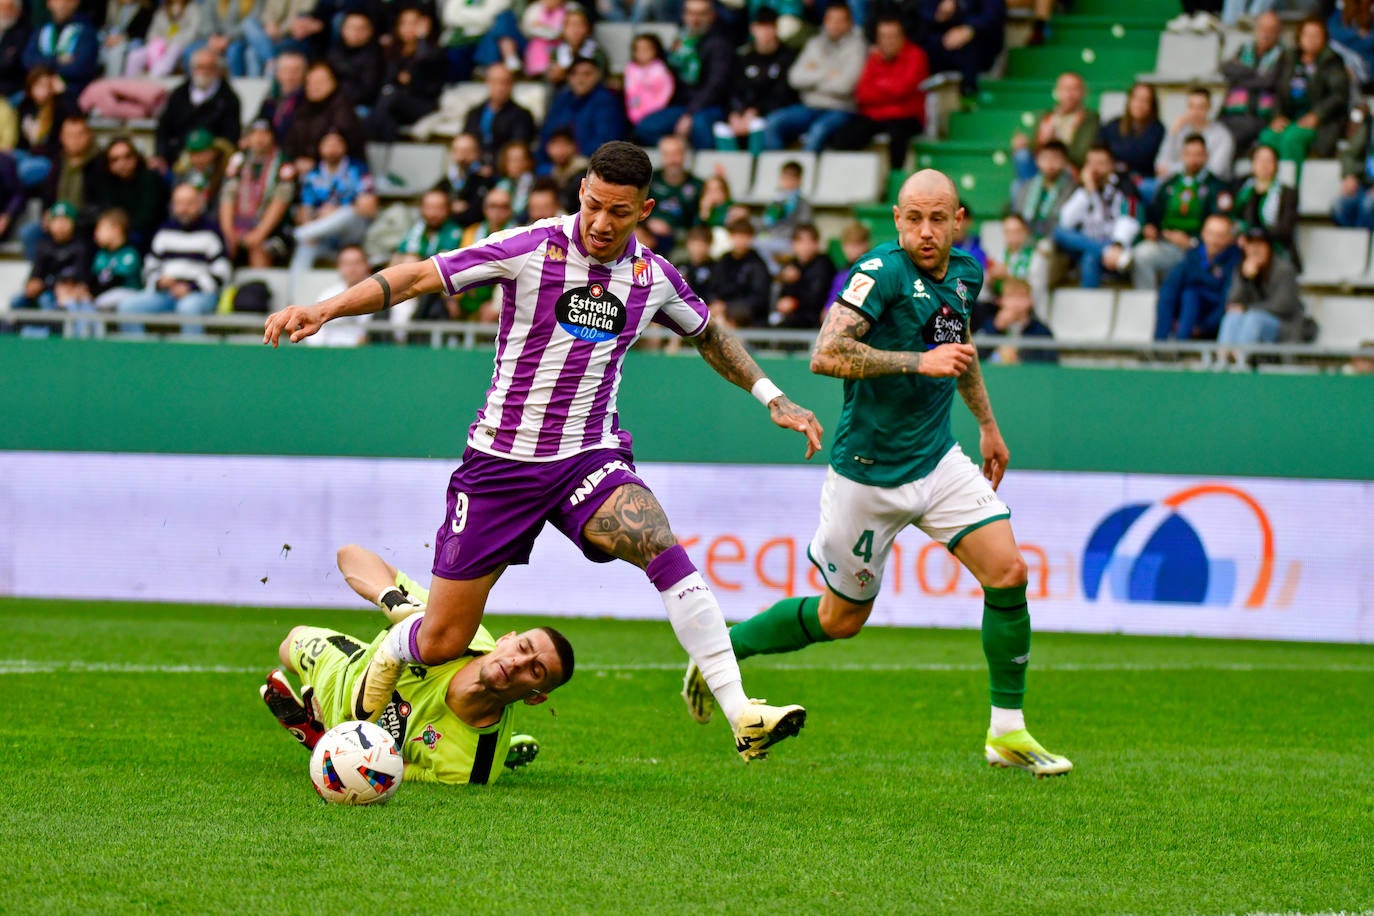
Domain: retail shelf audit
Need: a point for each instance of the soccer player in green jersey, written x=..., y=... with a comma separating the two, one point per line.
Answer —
x=898, y=335
x=452, y=722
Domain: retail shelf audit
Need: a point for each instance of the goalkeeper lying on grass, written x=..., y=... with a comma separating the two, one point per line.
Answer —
x=452, y=722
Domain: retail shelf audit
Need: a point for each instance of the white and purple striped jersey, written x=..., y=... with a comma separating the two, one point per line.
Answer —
x=566, y=323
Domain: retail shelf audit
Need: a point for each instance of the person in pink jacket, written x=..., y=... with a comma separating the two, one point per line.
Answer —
x=649, y=82
x=542, y=25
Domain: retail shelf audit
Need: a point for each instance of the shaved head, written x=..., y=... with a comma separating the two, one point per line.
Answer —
x=929, y=183
x=927, y=215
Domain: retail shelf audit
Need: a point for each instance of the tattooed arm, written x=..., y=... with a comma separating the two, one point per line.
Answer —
x=990, y=441
x=725, y=353
x=380, y=291
x=841, y=352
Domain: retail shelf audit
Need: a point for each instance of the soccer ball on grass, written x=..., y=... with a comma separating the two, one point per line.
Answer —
x=356, y=763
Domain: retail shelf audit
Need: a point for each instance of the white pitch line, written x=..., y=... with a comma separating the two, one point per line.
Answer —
x=26, y=666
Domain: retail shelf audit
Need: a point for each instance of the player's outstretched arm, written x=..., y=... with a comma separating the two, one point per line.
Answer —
x=990, y=441
x=380, y=291
x=840, y=352
x=725, y=353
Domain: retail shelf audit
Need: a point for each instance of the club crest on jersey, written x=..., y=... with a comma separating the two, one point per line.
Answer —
x=591, y=313
x=556, y=253
x=429, y=737
x=961, y=290
x=865, y=577
x=641, y=272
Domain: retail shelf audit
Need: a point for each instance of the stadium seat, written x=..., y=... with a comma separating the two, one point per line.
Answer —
x=1082, y=314
x=1319, y=186
x=997, y=124
x=418, y=165
x=13, y=275
x=766, y=169
x=278, y=280
x=616, y=39
x=1135, y=316
x=1332, y=256
x=530, y=94
x=251, y=90
x=1185, y=57
x=312, y=283
x=1100, y=64
x=738, y=167
x=843, y=179
x=1365, y=280
x=993, y=242
x=1342, y=321
x=1111, y=105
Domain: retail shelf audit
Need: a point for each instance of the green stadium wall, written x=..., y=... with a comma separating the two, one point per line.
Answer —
x=413, y=402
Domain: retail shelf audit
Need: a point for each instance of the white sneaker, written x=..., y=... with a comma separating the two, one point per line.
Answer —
x=761, y=726
x=1205, y=22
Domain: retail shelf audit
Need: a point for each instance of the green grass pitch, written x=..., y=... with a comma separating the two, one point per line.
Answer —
x=143, y=773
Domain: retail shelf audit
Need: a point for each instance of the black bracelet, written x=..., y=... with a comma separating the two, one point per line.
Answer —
x=386, y=290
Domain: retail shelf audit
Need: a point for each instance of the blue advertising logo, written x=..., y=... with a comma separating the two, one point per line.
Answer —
x=1138, y=556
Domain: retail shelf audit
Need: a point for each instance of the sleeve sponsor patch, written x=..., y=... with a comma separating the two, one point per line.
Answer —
x=858, y=288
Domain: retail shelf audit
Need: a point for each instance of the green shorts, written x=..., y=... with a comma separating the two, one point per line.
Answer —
x=331, y=662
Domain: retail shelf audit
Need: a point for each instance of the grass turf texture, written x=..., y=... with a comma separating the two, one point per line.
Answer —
x=1212, y=776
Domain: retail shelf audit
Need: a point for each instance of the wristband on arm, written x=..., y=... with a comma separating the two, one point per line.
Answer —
x=765, y=391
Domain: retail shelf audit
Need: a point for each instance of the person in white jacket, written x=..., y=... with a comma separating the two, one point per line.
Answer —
x=825, y=74
x=1098, y=224
x=1196, y=119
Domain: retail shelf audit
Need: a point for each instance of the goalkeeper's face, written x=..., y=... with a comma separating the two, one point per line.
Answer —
x=523, y=666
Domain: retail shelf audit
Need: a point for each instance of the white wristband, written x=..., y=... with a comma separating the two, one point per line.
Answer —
x=765, y=391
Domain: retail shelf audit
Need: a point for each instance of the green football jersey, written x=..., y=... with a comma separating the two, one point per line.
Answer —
x=438, y=746
x=896, y=428
x=424, y=242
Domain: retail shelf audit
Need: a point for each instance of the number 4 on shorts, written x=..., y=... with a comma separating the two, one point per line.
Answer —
x=863, y=547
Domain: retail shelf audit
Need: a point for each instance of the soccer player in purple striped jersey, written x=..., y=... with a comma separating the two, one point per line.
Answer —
x=577, y=292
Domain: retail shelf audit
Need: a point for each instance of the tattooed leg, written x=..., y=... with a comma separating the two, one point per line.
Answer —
x=632, y=525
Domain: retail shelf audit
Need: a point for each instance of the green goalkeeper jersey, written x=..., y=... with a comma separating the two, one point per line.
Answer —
x=895, y=429
x=438, y=746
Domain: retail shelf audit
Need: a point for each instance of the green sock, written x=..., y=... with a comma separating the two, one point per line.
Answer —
x=789, y=625
x=1006, y=644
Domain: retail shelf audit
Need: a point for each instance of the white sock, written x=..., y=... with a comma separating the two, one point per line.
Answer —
x=700, y=627
x=401, y=639
x=1006, y=720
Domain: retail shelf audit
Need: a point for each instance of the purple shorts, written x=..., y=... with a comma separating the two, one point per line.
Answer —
x=497, y=507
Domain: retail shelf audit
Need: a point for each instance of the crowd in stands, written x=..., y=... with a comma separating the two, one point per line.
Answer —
x=290, y=184
x=1203, y=210
x=1133, y=201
